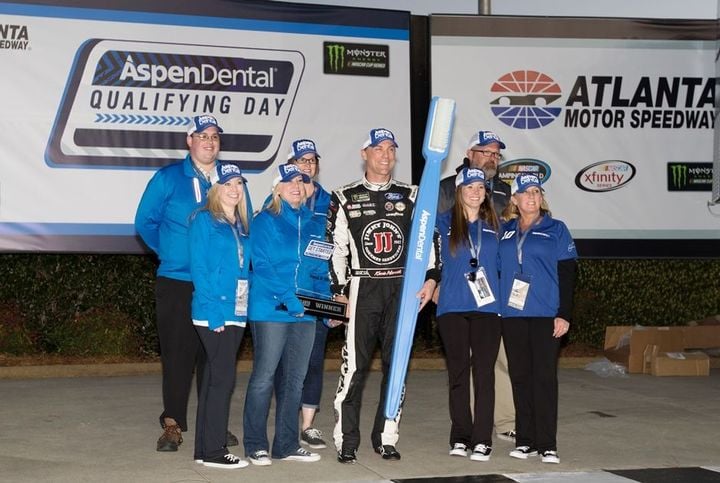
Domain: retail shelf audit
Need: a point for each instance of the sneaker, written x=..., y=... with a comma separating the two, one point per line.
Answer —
x=232, y=440
x=523, y=452
x=260, y=458
x=228, y=461
x=550, y=456
x=303, y=455
x=347, y=456
x=459, y=449
x=481, y=452
x=507, y=436
x=313, y=438
x=388, y=452
x=170, y=439
x=199, y=461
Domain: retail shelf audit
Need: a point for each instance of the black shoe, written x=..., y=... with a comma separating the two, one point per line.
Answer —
x=388, y=452
x=347, y=456
x=232, y=439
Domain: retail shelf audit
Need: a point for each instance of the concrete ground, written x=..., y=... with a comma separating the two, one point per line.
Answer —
x=104, y=429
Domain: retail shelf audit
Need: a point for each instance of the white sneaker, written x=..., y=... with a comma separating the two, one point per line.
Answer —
x=550, y=456
x=507, y=436
x=303, y=455
x=481, y=452
x=260, y=458
x=523, y=452
x=228, y=461
x=459, y=449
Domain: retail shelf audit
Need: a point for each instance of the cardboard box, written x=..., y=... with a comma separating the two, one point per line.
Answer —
x=679, y=363
x=701, y=337
x=626, y=344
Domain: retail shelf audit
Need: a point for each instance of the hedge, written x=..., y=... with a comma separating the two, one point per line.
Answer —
x=104, y=304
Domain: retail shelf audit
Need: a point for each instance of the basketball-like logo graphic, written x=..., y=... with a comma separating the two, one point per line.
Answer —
x=523, y=99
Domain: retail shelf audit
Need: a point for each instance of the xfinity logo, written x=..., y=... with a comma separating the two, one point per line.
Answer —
x=605, y=176
x=204, y=74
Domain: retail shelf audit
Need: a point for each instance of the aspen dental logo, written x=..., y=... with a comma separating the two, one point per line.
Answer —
x=686, y=176
x=344, y=58
x=524, y=98
x=528, y=99
x=129, y=104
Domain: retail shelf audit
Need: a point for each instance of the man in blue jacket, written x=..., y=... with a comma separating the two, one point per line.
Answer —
x=162, y=220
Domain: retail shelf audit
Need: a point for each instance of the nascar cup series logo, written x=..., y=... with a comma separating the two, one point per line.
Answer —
x=128, y=104
x=528, y=99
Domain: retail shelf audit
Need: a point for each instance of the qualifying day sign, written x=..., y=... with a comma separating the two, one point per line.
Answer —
x=616, y=116
x=95, y=100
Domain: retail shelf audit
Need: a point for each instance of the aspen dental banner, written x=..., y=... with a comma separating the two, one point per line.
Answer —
x=616, y=116
x=95, y=100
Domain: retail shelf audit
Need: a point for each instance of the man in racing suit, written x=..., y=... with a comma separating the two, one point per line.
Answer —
x=369, y=223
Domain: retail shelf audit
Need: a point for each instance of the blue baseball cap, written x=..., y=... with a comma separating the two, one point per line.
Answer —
x=227, y=171
x=483, y=138
x=287, y=172
x=301, y=147
x=523, y=181
x=379, y=135
x=200, y=123
x=469, y=175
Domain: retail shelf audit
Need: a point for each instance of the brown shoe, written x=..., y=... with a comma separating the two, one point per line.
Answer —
x=170, y=439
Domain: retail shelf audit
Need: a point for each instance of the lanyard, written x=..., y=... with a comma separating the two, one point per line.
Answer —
x=475, y=252
x=236, y=229
x=520, y=240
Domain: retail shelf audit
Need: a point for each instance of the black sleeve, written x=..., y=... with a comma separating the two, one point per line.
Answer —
x=567, y=274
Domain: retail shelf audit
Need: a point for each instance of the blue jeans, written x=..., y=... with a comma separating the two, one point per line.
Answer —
x=313, y=384
x=274, y=342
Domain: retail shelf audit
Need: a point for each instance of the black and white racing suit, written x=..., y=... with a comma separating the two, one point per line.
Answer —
x=369, y=226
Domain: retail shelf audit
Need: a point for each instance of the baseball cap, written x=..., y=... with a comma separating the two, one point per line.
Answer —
x=287, y=172
x=200, y=123
x=379, y=135
x=301, y=147
x=227, y=171
x=523, y=181
x=469, y=175
x=483, y=138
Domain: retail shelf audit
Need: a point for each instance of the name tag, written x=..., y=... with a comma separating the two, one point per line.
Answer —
x=319, y=249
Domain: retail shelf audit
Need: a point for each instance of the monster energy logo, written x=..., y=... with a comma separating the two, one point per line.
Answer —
x=336, y=56
x=679, y=175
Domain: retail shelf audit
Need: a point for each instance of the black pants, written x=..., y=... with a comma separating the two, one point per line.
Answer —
x=471, y=341
x=218, y=383
x=373, y=304
x=180, y=349
x=532, y=353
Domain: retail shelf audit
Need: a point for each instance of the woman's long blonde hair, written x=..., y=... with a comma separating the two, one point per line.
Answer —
x=216, y=210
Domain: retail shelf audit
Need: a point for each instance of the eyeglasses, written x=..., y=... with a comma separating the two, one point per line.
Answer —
x=474, y=264
x=306, y=161
x=487, y=153
x=207, y=137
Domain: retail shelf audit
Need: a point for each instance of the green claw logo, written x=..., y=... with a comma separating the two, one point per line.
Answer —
x=679, y=175
x=336, y=56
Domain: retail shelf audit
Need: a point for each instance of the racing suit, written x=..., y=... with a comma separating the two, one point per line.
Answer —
x=369, y=226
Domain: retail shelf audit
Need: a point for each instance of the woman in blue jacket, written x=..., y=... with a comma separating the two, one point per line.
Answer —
x=289, y=257
x=468, y=312
x=304, y=154
x=219, y=271
x=537, y=267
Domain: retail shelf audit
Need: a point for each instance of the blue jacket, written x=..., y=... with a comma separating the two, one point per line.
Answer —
x=320, y=201
x=216, y=267
x=163, y=216
x=547, y=243
x=281, y=266
x=455, y=294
